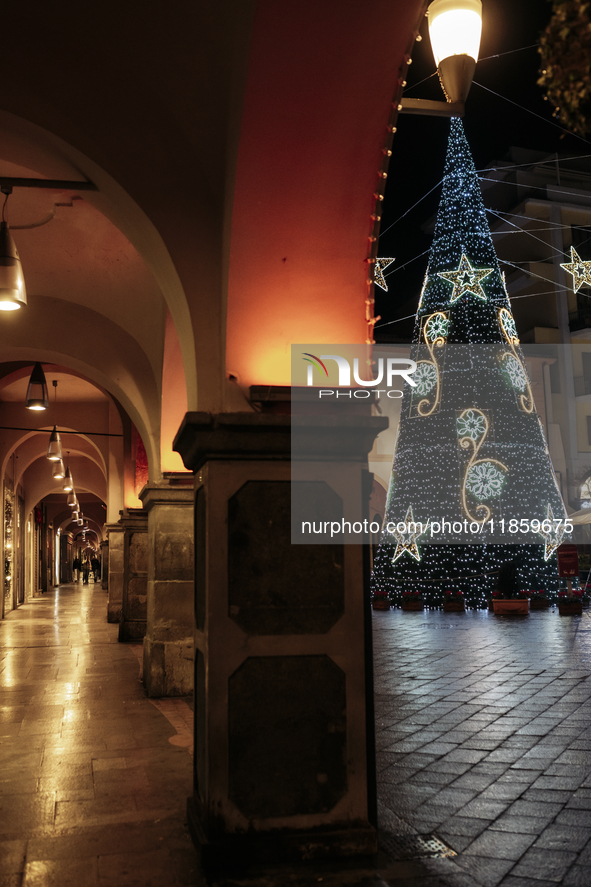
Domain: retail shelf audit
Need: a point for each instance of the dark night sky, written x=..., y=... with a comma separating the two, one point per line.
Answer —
x=492, y=126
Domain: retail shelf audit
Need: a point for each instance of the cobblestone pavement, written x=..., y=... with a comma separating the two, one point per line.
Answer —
x=483, y=738
x=94, y=777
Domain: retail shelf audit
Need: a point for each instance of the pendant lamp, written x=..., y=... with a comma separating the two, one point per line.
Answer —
x=12, y=282
x=58, y=472
x=68, y=483
x=54, y=450
x=37, y=398
x=71, y=500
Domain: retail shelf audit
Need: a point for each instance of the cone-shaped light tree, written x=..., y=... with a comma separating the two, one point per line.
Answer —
x=471, y=449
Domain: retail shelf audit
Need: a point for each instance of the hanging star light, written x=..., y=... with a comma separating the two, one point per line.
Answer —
x=553, y=538
x=466, y=279
x=407, y=540
x=378, y=274
x=580, y=270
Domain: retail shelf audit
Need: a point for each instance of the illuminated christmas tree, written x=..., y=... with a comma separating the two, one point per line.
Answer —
x=471, y=449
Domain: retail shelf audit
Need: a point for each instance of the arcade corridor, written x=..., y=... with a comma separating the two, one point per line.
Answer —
x=93, y=776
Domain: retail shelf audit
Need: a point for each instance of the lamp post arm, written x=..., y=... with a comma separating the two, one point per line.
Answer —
x=432, y=108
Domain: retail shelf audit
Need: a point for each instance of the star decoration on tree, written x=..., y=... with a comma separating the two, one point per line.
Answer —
x=466, y=279
x=580, y=270
x=378, y=274
x=554, y=537
x=407, y=541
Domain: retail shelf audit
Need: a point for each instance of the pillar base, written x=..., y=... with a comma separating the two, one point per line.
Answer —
x=241, y=851
x=168, y=644
x=113, y=613
x=168, y=667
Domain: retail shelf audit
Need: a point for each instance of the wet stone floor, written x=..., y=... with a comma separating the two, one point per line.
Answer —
x=94, y=776
x=484, y=739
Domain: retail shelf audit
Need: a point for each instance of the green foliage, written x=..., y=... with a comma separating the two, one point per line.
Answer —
x=565, y=49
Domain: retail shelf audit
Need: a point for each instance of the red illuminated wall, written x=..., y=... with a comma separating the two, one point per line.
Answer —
x=319, y=89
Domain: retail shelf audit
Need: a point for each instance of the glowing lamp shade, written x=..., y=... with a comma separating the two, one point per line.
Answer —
x=58, y=471
x=72, y=502
x=37, y=398
x=454, y=29
x=12, y=283
x=54, y=450
x=68, y=483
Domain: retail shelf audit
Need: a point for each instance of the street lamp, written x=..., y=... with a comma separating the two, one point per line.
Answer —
x=454, y=30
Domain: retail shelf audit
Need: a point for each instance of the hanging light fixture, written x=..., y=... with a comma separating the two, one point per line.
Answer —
x=454, y=30
x=68, y=483
x=58, y=472
x=72, y=501
x=75, y=514
x=54, y=450
x=37, y=398
x=12, y=282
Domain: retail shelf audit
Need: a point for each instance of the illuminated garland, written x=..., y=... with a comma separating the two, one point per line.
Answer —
x=483, y=477
x=553, y=537
x=466, y=279
x=580, y=270
x=427, y=375
x=379, y=267
x=406, y=539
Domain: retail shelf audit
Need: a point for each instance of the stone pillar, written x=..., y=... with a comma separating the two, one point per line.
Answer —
x=281, y=759
x=116, y=572
x=135, y=574
x=168, y=644
x=105, y=563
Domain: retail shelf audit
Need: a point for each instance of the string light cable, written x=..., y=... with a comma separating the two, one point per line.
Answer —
x=533, y=273
x=555, y=189
x=497, y=55
x=529, y=111
x=525, y=231
x=533, y=164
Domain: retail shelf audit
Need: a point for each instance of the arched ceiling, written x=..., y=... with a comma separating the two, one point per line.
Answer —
x=80, y=256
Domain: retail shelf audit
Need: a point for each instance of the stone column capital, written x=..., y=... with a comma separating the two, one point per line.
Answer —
x=205, y=437
x=164, y=494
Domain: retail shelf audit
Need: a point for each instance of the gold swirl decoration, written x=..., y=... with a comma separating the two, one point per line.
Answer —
x=509, y=331
x=435, y=329
x=473, y=427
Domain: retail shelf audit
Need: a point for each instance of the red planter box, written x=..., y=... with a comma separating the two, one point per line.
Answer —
x=510, y=607
x=412, y=605
x=539, y=604
x=454, y=607
x=570, y=608
x=380, y=605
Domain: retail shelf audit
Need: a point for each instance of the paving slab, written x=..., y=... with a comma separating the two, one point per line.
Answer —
x=522, y=690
